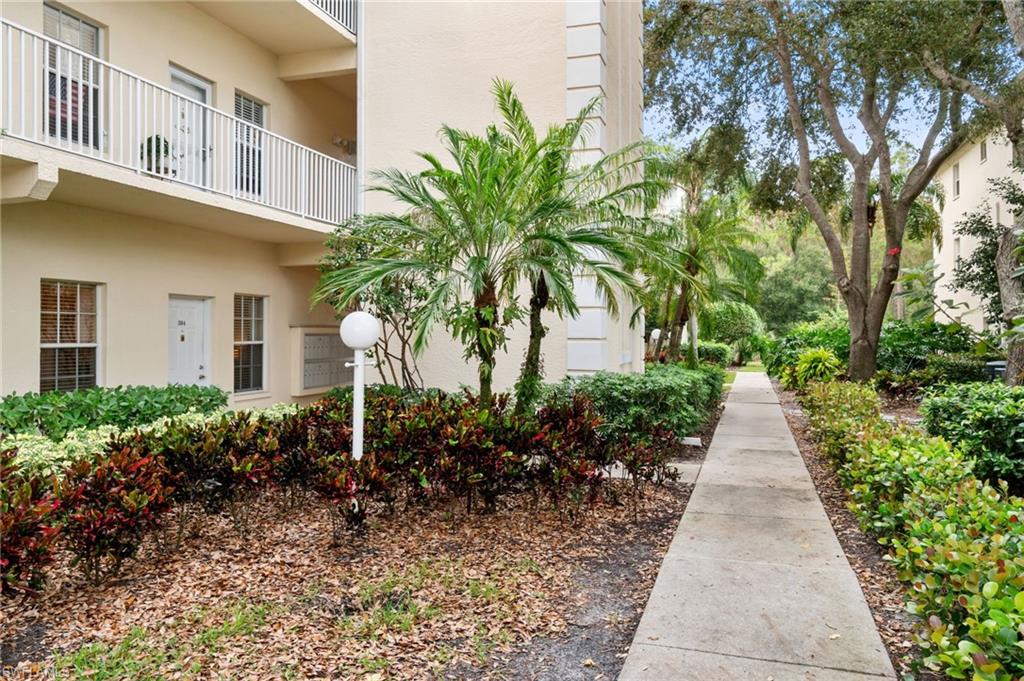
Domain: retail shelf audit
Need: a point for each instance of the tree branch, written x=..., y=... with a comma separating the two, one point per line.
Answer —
x=803, y=184
x=1014, y=11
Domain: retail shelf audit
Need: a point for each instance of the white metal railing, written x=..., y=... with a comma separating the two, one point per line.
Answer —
x=65, y=98
x=343, y=11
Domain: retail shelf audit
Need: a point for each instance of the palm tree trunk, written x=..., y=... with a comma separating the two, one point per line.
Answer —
x=692, y=357
x=486, y=314
x=663, y=324
x=528, y=385
x=679, y=320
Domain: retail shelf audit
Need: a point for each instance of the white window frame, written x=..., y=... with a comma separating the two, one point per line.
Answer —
x=250, y=145
x=98, y=344
x=983, y=150
x=73, y=75
x=956, y=180
x=81, y=18
x=265, y=374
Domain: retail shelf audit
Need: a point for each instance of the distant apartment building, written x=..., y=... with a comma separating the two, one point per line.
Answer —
x=170, y=171
x=965, y=179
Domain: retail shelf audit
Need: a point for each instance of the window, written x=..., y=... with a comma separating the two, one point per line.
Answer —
x=72, y=78
x=956, y=250
x=67, y=335
x=250, y=352
x=249, y=145
x=998, y=217
x=984, y=151
x=956, y=180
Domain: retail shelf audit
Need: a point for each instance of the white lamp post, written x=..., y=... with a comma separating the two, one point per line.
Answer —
x=359, y=330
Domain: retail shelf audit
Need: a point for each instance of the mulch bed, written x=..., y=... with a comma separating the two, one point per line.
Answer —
x=882, y=588
x=901, y=407
x=518, y=593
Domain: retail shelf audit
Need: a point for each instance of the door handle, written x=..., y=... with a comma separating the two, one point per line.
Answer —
x=202, y=377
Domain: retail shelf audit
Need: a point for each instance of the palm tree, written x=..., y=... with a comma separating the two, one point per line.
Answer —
x=598, y=234
x=710, y=244
x=469, y=229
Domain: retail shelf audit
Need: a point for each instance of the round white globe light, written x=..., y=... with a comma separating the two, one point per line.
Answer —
x=360, y=330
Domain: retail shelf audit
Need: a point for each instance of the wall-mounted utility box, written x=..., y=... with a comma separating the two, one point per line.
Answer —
x=318, y=360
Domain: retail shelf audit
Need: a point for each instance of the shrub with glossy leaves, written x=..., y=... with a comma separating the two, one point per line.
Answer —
x=569, y=452
x=987, y=421
x=958, y=542
x=664, y=398
x=28, y=526
x=109, y=505
x=840, y=414
x=53, y=414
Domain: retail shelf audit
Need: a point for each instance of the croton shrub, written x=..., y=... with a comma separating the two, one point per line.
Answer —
x=28, y=526
x=423, y=448
x=957, y=540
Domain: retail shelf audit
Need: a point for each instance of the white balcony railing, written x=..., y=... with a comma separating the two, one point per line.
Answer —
x=343, y=11
x=64, y=98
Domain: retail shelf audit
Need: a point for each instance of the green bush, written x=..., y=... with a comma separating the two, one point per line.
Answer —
x=938, y=370
x=54, y=414
x=42, y=456
x=957, y=541
x=635, y=406
x=902, y=347
x=818, y=365
x=712, y=352
x=987, y=421
x=730, y=322
x=830, y=331
x=840, y=414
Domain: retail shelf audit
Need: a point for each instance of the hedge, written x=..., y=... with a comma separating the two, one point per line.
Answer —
x=957, y=541
x=54, y=414
x=665, y=397
x=987, y=421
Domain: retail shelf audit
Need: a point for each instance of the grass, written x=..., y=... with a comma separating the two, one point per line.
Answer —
x=730, y=376
x=148, y=658
x=752, y=367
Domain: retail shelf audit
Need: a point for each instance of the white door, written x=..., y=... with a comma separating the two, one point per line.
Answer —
x=187, y=341
x=191, y=127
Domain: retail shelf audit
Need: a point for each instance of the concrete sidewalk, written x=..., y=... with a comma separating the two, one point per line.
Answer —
x=755, y=585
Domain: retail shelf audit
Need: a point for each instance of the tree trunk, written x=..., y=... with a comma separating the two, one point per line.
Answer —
x=663, y=326
x=486, y=314
x=681, y=315
x=1011, y=295
x=529, y=383
x=692, y=356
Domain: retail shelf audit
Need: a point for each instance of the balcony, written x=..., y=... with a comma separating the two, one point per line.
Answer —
x=61, y=98
x=289, y=27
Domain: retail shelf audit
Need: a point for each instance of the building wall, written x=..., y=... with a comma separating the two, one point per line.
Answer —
x=145, y=38
x=975, y=194
x=140, y=264
x=439, y=59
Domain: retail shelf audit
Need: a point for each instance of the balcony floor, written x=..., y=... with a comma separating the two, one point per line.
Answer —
x=93, y=183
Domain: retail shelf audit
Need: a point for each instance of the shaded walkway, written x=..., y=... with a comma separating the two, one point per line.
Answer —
x=755, y=585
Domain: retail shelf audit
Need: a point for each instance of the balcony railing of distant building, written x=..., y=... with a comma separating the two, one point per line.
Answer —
x=343, y=11
x=67, y=99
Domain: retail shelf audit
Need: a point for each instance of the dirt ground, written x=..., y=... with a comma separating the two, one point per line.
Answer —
x=520, y=593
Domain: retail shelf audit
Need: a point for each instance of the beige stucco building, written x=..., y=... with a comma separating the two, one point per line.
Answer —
x=170, y=170
x=965, y=178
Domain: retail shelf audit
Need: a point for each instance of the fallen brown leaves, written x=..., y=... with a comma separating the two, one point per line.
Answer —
x=425, y=591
